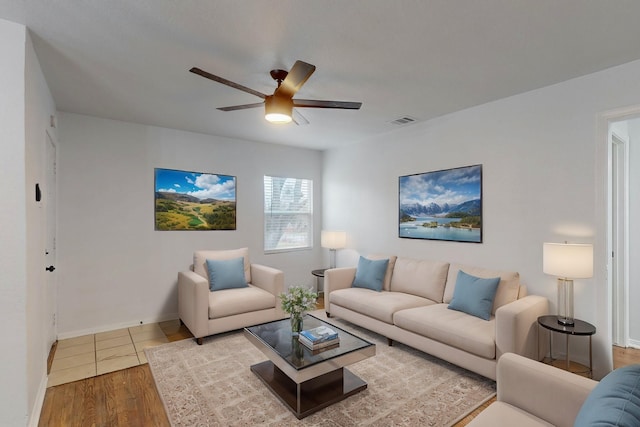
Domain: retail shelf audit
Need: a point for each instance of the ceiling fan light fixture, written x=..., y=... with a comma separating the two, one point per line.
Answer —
x=278, y=110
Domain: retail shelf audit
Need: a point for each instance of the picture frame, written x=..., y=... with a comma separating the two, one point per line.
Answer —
x=186, y=200
x=441, y=205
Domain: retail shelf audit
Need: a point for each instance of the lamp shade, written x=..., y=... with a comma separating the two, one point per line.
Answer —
x=568, y=260
x=333, y=239
x=278, y=109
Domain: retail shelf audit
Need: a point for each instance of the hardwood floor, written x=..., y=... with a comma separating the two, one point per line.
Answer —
x=122, y=398
x=625, y=356
x=129, y=397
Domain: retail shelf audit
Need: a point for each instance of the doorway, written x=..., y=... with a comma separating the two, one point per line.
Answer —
x=619, y=142
x=623, y=234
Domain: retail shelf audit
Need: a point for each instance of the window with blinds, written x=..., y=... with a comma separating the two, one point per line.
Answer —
x=288, y=213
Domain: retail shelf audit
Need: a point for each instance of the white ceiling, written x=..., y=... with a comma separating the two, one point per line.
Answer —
x=129, y=59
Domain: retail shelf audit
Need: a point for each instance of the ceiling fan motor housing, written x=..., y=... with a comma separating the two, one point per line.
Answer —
x=278, y=109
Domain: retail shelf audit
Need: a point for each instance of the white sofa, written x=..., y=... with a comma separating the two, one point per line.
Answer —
x=206, y=313
x=412, y=309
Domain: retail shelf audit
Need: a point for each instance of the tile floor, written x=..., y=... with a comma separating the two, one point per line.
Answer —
x=90, y=355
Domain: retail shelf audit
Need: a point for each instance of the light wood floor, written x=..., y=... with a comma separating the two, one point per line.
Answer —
x=129, y=397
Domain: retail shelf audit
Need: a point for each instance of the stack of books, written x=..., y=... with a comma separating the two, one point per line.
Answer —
x=319, y=338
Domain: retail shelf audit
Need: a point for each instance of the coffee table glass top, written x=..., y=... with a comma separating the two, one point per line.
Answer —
x=277, y=335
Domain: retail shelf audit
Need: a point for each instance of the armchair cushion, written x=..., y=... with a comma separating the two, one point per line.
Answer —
x=615, y=401
x=200, y=260
x=226, y=274
x=229, y=302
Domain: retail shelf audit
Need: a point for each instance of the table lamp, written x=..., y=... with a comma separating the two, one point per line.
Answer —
x=333, y=240
x=567, y=261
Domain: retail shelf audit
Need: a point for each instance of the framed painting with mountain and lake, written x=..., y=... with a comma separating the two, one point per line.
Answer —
x=442, y=205
x=194, y=200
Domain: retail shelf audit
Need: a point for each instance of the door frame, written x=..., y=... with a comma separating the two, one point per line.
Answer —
x=50, y=235
x=619, y=197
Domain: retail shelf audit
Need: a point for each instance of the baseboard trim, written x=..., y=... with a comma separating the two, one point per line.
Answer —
x=114, y=326
x=34, y=419
x=634, y=343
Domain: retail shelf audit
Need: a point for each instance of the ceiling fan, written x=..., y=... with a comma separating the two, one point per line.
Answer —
x=279, y=106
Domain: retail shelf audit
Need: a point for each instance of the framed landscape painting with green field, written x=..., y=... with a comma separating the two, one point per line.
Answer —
x=442, y=205
x=194, y=200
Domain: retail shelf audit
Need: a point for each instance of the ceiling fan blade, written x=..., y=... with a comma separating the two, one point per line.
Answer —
x=224, y=81
x=242, y=107
x=312, y=103
x=298, y=75
x=299, y=119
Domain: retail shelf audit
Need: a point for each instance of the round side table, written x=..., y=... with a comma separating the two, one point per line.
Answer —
x=319, y=275
x=579, y=328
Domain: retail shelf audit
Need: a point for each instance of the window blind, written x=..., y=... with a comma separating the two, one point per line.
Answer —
x=288, y=213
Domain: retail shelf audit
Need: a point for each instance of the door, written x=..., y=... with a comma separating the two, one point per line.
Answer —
x=49, y=201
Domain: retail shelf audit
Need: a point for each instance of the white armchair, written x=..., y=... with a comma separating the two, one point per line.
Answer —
x=531, y=393
x=207, y=312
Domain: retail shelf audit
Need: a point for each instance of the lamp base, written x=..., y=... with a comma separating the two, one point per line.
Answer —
x=566, y=321
x=332, y=258
x=565, y=302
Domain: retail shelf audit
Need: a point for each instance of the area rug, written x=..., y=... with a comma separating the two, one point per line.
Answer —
x=212, y=385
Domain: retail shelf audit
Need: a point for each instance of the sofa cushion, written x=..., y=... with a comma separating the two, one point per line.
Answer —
x=450, y=327
x=226, y=274
x=229, y=302
x=615, y=401
x=474, y=295
x=379, y=305
x=422, y=278
x=386, y=285
x=370, y=274
x=200, y=260
x=508, y=287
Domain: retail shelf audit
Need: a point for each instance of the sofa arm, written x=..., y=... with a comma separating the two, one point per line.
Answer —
x=517, y=326
x=337, y=278
x=193, y=302
x=271, y=280
x=542, y=390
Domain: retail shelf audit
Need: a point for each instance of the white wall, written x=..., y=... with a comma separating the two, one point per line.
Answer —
x=13, y=251
x=115, y=270
x=25, y=106
x=542, y=182
x=39, y=108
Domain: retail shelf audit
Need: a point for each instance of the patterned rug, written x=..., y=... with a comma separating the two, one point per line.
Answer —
x=212, y=385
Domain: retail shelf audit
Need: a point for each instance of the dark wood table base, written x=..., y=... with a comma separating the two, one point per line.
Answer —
x=310, y=396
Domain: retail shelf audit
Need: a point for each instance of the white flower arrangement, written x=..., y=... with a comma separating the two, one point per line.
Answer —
x=298, y=300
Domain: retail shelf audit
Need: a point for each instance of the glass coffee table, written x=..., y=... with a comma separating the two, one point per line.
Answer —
x=307, y=380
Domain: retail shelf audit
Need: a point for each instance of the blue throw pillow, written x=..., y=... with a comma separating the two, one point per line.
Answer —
x=615, y=401
x=474, y=295
x=226, y=274
x=370, y=274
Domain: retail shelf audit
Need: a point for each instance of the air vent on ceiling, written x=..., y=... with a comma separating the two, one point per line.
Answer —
x=404, y=120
